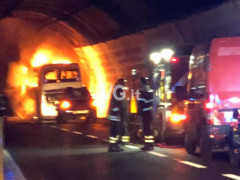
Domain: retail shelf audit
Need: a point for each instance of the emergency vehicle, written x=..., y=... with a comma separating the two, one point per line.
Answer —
x=169, y=99
x=214, y=95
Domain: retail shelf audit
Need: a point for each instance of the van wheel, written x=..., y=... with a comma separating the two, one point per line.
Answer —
x=190, y=144
x=205, y=145
x=234, y=158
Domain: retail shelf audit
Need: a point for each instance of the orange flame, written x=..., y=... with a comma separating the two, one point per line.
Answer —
x=98, y=82
x=22, y=78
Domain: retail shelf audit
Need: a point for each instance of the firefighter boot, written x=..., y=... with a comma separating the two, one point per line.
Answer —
x=113, y=147
x=147, y=147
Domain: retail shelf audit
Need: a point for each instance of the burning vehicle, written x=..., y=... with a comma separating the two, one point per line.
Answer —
x=60, y=93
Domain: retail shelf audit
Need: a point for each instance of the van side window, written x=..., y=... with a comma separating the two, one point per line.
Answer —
x=199, y=77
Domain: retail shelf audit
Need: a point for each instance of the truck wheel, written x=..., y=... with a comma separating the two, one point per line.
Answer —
x=166, y=137
x=190, y=144
x=234, y=157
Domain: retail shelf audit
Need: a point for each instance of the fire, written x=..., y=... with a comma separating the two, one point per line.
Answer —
x=22, y=80
x=22, y=77
x=98, y=82
x=45, y=56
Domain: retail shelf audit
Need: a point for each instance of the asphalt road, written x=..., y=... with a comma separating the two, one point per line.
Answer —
x=79, y=151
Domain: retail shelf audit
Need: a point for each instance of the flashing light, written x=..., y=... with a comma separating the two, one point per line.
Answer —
x=209, y=105
x=234, y=100
x=65, y=104
x=174, y=60
x=155, y=57
x=211, y=136
x=167, y=54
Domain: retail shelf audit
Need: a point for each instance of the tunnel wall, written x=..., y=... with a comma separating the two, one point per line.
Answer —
x=119, y=56
x=132, y=51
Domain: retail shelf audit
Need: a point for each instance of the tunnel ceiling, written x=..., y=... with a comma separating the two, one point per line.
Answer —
x=102, y=20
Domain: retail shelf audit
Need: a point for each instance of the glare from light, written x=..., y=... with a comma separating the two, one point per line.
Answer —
x=155, y=57
x=191, y=57
x=65, y=105
x=234, y=100
x=167, y=54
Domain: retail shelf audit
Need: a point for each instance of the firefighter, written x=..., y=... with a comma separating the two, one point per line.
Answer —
x=124, y=137
x=116, y=115
x=145, y=111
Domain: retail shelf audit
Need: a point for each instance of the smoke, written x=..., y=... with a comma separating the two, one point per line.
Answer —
x=21, y=42
x=27, y=44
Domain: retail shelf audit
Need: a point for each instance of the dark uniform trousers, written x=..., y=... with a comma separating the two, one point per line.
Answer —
x=147, y=132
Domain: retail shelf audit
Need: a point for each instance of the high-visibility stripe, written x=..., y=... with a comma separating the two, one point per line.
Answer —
x=115, y=109
x=141, y=99
x=125, y=137
x=125, y=140
x=112, y=141
x=113, y=118
x=147, y=109
x=145, y=100
x=150, y=100
x=113, y=138
x=148, y=137
x=148, y=141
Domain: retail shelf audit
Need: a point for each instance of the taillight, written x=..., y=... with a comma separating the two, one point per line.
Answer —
x=176, y=118
x=209, y=105
x=65, y=105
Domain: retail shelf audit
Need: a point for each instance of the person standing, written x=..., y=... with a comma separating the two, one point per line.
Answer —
x=116, y=114
x=145, y=111
x=124, y=137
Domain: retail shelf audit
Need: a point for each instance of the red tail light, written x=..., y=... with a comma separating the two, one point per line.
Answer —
x=209, y=105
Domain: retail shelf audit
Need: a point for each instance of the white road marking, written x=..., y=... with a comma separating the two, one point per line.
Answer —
x=132, y=147
x=192, y=164
x=91, y=136
x=158, y=154
x=232, y=176
x=76, y=132
x=63, y=129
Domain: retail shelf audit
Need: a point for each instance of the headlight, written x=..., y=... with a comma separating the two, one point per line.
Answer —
x=65, y=105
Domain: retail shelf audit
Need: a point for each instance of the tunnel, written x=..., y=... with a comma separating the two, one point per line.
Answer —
x=84, y=33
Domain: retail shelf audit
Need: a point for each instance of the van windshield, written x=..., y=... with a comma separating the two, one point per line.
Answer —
x=61, y=75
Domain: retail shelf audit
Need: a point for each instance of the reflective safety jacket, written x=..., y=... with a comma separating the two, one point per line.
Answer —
x=116, y=107
x=145, y=101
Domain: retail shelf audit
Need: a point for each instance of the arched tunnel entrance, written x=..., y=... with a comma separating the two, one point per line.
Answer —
x=31, y=39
